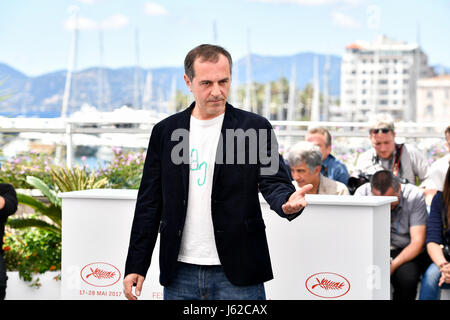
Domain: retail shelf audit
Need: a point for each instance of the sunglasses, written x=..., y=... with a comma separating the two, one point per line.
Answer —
x=383, y=130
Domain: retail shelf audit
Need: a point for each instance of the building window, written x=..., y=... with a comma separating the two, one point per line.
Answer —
x=429, y=109
x=429, y=94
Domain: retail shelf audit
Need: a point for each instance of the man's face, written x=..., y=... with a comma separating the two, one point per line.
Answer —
x=320, y=141
x=383, y=143
x=303, y=176
x=389, y=193
x=210, y=87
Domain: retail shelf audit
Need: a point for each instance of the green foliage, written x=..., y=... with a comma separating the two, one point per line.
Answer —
x=71, y=179
x=52, y=210
x=125, y=170
x=32, y=251
x=15, y=170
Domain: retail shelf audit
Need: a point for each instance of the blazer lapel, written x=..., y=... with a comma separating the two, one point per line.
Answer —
x=184, y=123
x=229, y=122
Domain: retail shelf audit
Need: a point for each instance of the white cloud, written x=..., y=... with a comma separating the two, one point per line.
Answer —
x=89, y=1
x=155, y=9
x=81, y=23
x=343, y=20
x=115, y=21
x=312, y=2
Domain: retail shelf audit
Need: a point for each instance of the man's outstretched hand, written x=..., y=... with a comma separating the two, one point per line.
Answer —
x=133, y=279
x=297, y=200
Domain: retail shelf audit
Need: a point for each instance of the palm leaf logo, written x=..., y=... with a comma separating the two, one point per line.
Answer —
x=101, y=274
x=328, y=284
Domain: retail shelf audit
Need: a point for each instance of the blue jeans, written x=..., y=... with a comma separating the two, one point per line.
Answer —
x=429, y=289
x=196, y=282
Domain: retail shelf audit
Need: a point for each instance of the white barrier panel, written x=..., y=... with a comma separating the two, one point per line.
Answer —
x=96, y=226
x=338, y=248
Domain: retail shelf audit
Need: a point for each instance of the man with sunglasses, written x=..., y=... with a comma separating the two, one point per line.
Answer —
x=403, y=160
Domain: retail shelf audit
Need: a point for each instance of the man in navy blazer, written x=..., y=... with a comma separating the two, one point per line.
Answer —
x=222, y=238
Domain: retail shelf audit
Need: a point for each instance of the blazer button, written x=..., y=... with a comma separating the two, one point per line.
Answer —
x=184, y=203
x=179, y=233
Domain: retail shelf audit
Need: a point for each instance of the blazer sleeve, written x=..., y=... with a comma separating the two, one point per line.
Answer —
x=275, y=184
x=9, y=194
x=147, y=215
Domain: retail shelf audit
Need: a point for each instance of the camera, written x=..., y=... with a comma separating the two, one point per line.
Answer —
x=355, y=182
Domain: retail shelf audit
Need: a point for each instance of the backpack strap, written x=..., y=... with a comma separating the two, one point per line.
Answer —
x=396, y=164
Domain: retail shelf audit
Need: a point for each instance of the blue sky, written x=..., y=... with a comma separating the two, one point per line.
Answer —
x=35, y=35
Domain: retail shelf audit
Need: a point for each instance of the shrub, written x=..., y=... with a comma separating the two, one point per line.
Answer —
x=125, y=169
x=15, y=170
x=32, y=251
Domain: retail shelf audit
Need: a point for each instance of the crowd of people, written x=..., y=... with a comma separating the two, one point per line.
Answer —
x=419, y=228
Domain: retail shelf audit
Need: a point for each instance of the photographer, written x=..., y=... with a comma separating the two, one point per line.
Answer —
x=8, y=206
x=437, y=275
x=409, y=260
x=403, y=160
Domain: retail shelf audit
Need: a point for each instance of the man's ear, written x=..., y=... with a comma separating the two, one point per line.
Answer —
x=317, y=170
x=188, y=82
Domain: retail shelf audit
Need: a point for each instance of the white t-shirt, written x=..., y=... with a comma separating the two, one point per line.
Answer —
x=437, y=172
x=198, y=244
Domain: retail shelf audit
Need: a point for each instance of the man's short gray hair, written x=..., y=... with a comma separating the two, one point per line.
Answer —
x=307, y=152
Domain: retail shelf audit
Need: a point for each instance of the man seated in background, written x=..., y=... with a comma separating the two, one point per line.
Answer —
x=331, y=167
x=305, y=161
x=409, y=260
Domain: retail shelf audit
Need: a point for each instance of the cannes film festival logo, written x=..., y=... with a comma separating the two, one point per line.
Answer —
x=100, y=274
x=240, y=147
x=327, y=285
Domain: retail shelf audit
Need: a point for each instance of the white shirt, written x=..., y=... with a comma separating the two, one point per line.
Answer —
x=198, y=244
x=436, y=177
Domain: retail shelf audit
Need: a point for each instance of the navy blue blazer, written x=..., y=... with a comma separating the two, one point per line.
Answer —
x=239, y=228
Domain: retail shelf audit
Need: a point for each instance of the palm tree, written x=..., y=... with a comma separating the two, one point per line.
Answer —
x=3, y=96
